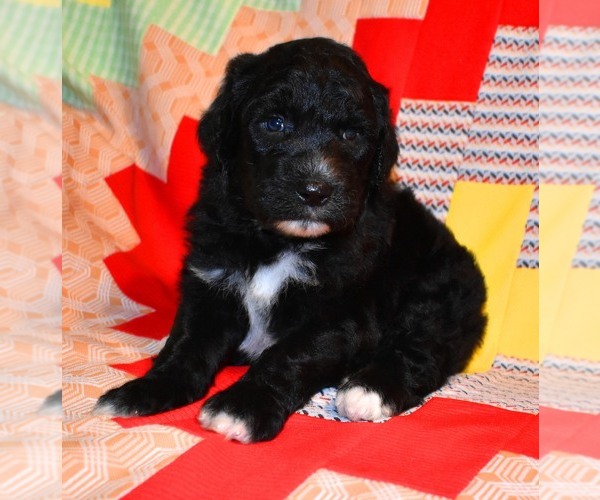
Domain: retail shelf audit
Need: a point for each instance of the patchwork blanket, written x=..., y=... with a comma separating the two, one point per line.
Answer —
x=498, y=136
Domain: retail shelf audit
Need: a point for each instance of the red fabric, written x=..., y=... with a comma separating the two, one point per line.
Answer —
x=389, y=67
x=438, y=449
x=584, y=13
x=149, y=272
x=570, y=432
x=452, y=50
x=137, y=368
x=57, y=261
x=520, y=13
x=441, y=447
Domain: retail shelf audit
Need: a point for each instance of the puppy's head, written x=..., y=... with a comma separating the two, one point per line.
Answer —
x=303, y=135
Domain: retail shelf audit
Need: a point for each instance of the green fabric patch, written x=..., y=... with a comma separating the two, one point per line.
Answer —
x=30, y=46
x=106, y=42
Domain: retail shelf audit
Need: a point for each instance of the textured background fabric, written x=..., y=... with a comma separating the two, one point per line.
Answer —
x=30, y=247
x=499, y=137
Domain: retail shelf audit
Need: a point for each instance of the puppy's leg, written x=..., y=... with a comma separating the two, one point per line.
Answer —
x=383, y=388
x=204, y=331
x=432, y=337
x=282, y=380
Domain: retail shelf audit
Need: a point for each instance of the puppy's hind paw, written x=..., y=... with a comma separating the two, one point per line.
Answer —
x=359, y=403
x=223, y=423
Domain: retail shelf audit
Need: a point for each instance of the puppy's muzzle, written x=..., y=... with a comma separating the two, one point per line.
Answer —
x=314, y=193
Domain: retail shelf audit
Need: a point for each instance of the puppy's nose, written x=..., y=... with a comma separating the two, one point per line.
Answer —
x=314, y=193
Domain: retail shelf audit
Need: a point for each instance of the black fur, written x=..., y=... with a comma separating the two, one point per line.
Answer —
x=388, y=301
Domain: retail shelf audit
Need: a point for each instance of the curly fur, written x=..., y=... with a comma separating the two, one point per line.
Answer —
x=304, y=262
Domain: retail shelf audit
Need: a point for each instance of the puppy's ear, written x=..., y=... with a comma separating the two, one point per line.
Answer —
x=387, y=153
x=217, y=131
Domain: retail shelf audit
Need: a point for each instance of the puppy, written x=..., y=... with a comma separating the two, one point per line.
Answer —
x=304, y=262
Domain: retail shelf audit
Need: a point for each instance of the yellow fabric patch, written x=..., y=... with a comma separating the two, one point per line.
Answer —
x=97, y=3
x=576, y=331
x=520, y=329
x=490, y=220
x=569, y=302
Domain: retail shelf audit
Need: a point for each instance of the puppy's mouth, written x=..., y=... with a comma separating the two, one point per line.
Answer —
x=302, y=228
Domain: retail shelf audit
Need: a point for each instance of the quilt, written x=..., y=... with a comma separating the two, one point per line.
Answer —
x=497, y=109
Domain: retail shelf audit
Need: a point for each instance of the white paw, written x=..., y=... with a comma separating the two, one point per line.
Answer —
x=358, y=403
x=227, y=425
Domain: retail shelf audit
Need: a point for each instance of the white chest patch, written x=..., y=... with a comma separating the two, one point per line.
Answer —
x=261, y=291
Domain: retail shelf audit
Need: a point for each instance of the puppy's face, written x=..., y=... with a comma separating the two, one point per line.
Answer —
x=305, y=136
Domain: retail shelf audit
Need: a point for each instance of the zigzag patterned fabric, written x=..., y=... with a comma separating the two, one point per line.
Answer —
x=431, y=139
x=502, y=142
x=530, y=248
x=570, y=124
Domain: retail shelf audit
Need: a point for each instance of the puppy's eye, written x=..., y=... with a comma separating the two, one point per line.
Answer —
x=350, y=134
x=275, y=124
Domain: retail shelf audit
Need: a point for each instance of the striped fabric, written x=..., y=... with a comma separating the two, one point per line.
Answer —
x=530, y=248
x=570, y=384
x=570, y=123
x=431, y=136
x=570, y=104
x=502, y=144
x=512, y=384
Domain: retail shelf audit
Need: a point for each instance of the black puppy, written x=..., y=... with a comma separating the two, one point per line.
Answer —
x=304, y=262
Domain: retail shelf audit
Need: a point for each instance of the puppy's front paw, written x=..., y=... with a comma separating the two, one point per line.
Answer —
x=360, y=403
x=233, y=428
x=129, y=400
x=140, y=397
x=245, y=412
